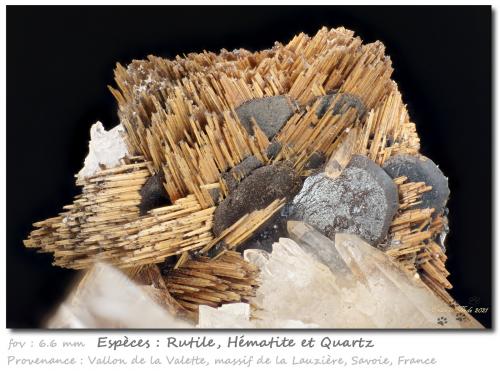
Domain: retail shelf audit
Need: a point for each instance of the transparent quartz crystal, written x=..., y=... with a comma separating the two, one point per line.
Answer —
x=106, y=298
x=343, y=284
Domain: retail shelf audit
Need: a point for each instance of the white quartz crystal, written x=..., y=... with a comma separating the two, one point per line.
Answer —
x=106, y=149
x=236, y=315
x=106, y=298
x=297, y=287
x=343, y=284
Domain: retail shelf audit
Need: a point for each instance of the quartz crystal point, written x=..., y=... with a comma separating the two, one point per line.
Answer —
x=342, y=155
x=401, y=300
x=346, y=284
x=297, y=287
x=106, y=298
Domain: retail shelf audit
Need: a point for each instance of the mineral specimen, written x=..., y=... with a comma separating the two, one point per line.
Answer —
x=214, y=153
x=315, y=161
x=238, y=315
x=240, y=171
x=226, y=316
x=256, y=191
x=106, y=298
x=361, y=287
x=421, y=169
x=106, y=149
x=342, y=102
x=273, y=150
x=342, y=155
x=228, y=279
x=270, y=113
x=318, y=246
x=153, y=194
x=362, y=200
x=295, y=286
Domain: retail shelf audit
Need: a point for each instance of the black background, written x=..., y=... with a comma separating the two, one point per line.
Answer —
x=60, y=59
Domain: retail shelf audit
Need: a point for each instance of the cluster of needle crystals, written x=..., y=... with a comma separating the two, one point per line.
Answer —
x=270, y=189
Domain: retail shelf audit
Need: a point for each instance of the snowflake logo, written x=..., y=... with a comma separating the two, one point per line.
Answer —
x=442, y=321
x=461, y=317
